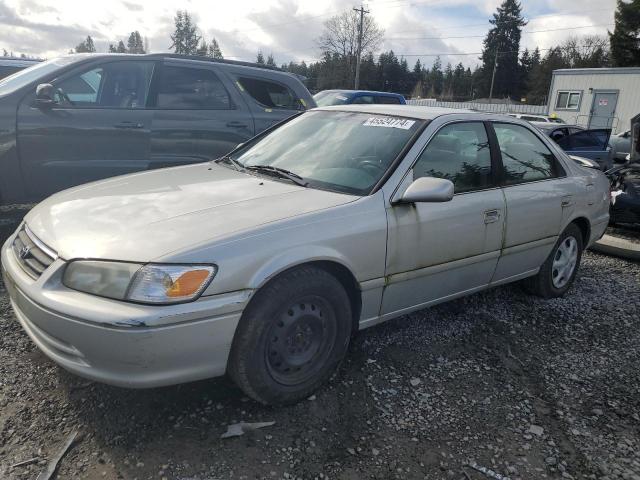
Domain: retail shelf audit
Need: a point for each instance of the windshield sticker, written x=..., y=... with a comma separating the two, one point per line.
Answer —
x=389, y=122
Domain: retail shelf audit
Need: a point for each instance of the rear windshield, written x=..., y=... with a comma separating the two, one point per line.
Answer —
x=24, y=77
x=333, y=98
x=340, y=151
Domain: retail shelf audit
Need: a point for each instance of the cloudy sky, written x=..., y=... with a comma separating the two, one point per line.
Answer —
x=288, y=28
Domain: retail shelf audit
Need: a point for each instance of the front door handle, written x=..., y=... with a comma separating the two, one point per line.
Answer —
x=129, y=125
x=491, y=216
x=237, y=125
x=566, y=201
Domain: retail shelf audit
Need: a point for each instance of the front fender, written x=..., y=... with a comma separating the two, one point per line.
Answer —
x=295, y=257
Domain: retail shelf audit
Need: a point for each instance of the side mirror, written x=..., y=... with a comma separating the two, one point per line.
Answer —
x=45, y=95
x=428, y=189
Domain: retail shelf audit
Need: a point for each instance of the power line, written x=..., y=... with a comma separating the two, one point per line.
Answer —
x=524, y=32
x=476, y=53
x=528, y=20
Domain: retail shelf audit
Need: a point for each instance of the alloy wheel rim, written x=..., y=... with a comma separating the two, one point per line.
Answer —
x=564, y=262
x=299, y=340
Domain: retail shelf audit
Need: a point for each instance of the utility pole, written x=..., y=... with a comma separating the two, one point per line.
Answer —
x=493, y=77
x=362, y=11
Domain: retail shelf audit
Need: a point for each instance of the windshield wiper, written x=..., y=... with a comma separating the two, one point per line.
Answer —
x=279, y=172
x=235, y=163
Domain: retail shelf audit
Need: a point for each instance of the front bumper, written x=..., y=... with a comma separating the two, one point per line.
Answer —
x=119, y=343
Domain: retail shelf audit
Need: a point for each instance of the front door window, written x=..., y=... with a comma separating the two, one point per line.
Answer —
x=123, y=84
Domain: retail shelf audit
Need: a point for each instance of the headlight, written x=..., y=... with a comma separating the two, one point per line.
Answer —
x=150, y=283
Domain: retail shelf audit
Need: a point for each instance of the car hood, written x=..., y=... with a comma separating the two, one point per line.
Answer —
x=145, y=216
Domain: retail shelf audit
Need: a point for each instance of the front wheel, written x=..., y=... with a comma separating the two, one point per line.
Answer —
x=558, y=272
x=291, y=337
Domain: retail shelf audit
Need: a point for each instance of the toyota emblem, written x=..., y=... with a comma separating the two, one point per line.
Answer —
x=24, y=252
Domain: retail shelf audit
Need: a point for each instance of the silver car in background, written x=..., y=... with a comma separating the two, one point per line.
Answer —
x=263, y=263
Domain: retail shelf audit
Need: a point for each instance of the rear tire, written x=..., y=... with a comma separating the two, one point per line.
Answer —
x=291, y=337
x=558, y=272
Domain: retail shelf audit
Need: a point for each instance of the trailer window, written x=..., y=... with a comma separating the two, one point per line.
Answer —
x=568, y=100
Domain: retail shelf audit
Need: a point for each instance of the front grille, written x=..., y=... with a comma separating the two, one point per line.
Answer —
x=33, y=255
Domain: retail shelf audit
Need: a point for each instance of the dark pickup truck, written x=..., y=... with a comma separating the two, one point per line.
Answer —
x=85, y=117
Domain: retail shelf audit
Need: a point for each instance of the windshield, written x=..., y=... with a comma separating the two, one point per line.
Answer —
x=19, y=79
x=340, y=151
x=332, y=98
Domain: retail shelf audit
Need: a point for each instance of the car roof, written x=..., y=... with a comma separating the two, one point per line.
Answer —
x=411, y=111
x=365, y=92
x=177, y=56
x=552, y=125
x=18, y=62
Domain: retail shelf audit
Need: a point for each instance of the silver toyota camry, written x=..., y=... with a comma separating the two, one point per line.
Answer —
x=262, y=264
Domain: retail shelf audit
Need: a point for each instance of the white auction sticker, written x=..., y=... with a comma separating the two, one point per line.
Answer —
x=389, y=122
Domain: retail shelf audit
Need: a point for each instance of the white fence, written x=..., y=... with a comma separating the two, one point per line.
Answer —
x=485, y=107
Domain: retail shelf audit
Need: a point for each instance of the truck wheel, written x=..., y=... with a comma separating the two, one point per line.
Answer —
x=558, y=272
x=291, y=337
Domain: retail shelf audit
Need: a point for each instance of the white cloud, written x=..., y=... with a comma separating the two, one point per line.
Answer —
x=286, y=28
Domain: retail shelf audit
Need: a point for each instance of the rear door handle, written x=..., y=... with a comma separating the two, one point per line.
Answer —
x=567, y=201
x=491, y=216
x=129, y=125
x=237, y=125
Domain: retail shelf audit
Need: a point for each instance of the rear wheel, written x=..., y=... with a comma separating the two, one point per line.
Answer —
x=558, y=272
x=291, y=337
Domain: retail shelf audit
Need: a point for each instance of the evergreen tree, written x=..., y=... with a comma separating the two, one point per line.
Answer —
x=135, y=44
x=214, y=50
x=503, y=39
x=260, y=58
x=459, y=87
x=525, y=70
x=185, y=38
x=625, y=39
x=435, y=79
x=540, y=79
x=86, y=46
x=418, y=74
x=203, y=49
x=270, y=61
x=448, y=82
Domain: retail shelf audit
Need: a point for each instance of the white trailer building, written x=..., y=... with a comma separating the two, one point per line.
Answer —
x=596, y=97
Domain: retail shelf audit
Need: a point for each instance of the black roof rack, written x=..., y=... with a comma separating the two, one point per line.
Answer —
x=215, y=60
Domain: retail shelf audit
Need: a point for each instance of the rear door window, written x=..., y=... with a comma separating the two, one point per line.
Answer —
x=270, y=94
x=388, y=100
x=186, y=88
x=525, y=158
x=363, y=99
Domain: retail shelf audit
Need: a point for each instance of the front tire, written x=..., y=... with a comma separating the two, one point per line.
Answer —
x=558, y=272
x=291, y=337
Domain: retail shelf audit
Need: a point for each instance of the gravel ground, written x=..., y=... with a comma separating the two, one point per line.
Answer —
x=525, y=387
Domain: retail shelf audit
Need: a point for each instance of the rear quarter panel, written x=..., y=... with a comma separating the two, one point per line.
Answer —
x=592, y=198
